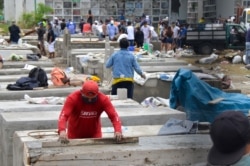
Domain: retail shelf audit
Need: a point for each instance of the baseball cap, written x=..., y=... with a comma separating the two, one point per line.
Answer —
x=230, y=133
x=90, y=88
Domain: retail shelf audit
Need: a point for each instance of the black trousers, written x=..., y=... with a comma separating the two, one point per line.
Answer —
x=129, y=85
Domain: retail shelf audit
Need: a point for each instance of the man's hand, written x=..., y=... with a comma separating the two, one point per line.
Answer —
x=63, y=138
x=118, y=136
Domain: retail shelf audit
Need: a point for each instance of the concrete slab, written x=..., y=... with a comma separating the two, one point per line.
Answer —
x=89, y=50
x=169, y=68
x=16, y=71
x=6, y=53
x=22, y=137
x=18, y=120
x=151, y=150
x=163, y=62
x=59, y=92
x=21, y=64
x=12, y=78
x=20, y=106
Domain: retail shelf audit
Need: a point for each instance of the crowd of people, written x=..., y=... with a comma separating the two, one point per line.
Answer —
x=137, y=32
x=172, y=36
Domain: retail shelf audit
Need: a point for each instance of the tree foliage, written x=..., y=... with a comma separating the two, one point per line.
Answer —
x=30, y=19
x=1, y=4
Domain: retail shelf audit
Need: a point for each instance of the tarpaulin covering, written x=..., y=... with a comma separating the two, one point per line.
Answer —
x=195, y=95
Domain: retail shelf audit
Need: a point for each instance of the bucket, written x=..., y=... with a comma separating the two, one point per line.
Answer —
x=147, y=47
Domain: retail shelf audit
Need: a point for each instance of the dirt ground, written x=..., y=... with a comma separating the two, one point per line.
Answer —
x=239, y=75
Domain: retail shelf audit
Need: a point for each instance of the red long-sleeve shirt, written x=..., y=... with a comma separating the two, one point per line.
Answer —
x=83, y=120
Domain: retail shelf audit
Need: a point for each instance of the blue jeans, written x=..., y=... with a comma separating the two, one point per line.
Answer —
x=247, y=52
x=131, y=42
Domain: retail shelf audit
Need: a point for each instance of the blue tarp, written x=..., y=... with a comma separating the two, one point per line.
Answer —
x=188, y=91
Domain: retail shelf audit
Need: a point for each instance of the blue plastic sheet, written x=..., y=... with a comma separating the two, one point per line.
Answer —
x=188, y=91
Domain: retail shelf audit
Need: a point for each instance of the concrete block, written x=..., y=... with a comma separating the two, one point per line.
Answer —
x=22, y=137
x=38, y=120
x=151, y=150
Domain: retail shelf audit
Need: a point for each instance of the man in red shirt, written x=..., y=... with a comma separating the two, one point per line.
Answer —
x=81, y=114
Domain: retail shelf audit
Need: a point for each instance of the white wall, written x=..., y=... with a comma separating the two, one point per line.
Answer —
x=13, y=9
x=9, y=9
x=224, y=8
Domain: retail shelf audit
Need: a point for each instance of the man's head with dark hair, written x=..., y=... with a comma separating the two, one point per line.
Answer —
x=129, y=22
x=124, y=43
x=230, y=134
x=122, y=30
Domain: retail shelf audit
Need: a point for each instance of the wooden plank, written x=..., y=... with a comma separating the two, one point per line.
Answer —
x=90, y=141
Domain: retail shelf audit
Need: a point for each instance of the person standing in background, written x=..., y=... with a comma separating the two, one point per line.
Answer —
x=63, y=25
x=90, y=18
x=131, y=34
x=169, y=38
x=139, y=37
x=176, y=30
x=40, y=33
x=122, y=17
x=71, y=26
x=248, y=47
x=104, y=30
x=14, y=31
x=146, y=32
x=112, y=30
x=51, y=41
x=182, y=36
x=81, y=25
x=56, y=28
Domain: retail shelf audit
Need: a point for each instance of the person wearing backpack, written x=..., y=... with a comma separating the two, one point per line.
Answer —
x=51, y=41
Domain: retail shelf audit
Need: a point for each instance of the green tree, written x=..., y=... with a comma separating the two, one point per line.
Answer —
x=30, y=19
x=1, y=4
